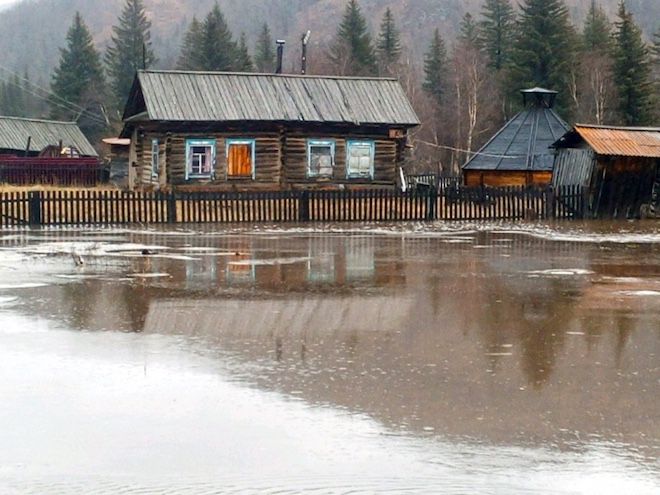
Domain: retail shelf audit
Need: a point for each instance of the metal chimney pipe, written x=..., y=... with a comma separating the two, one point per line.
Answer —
x=280, y=54
x=305, y=39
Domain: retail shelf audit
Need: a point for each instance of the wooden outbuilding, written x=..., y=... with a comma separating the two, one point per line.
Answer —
x=32, y=137
x=619, y=167
x=519, y=154
x=219, y=131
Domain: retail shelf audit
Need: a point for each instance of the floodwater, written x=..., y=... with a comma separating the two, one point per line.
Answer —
x=342, y=359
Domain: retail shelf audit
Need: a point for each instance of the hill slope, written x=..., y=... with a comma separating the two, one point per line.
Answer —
x=32, y=31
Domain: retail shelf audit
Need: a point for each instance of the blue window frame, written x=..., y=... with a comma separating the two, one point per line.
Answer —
x=200, y=158
x=360, y=159
x=240, y=158
x=320, y=157
x=155, y=150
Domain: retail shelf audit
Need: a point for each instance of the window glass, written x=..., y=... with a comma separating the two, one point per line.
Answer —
x=360, y=159
x=154, y=157
x=320, y=158
x=200, y=157
x=240, y=158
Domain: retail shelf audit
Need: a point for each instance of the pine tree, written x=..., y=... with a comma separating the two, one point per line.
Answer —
x=496, y=32
x=544, y=49
x=435, y=68
x=218, y=50
x=129, y=50
x=632, y=71
x=264, y=58
x=243, y=62
x=77, y=83
x=388, y=45
x=191, y=47
x=352, y=51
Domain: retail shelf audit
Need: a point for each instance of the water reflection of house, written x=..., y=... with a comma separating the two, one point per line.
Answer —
x=293, y=317
x=331, y=261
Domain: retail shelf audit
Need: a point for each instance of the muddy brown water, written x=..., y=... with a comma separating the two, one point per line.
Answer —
x=335, y=359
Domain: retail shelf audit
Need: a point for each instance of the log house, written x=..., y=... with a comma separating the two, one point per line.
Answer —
x=234, y=131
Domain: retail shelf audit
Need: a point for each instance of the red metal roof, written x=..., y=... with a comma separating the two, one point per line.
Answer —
x=621, y=141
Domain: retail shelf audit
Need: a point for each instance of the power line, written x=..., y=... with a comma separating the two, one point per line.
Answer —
x=63, y=103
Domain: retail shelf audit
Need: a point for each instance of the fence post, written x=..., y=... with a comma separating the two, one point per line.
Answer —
x=303, y=207
x=432, y=203
x=34, y=208
x=171, y=207
x=549, y=198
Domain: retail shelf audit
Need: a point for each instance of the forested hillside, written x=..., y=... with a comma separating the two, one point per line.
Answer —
x=461, y=62
x=32, y=32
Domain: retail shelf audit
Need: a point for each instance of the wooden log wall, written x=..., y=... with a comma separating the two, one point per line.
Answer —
x=280, y=160
x=295, y=168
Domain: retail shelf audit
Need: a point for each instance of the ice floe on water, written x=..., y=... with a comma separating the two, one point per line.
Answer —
x=275, y=261
x=644, y=293
x=23, y=285
x=561, y=272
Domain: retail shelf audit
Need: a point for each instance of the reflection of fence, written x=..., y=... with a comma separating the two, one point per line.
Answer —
x=452, y=203
x=63, y=171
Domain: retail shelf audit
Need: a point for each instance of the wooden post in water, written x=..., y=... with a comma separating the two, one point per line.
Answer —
x=303, y=210
x=171, y=207
x=34, y=208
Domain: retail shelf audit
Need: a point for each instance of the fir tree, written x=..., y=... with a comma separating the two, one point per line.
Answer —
x=129, y=50
x=435, y=68
x=243, y=61
x=496, y=32
x=632, y=71
x=594, y=91
x=388, y=46
x=469, y=31
x=352, y=52
x=264, y=57
x=191, y=46
x=597, y=31
x=544, y=50
x=217, y=50
x=655, y=49
x=77, y=83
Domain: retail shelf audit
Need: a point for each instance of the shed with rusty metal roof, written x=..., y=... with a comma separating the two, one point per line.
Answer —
x=31, y=136
x=618, y=167
x=241, y=130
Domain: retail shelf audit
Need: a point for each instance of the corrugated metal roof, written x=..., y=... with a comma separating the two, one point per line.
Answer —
x=217, y=96
x=621, y=141
x=14, y=134
x=523, y=143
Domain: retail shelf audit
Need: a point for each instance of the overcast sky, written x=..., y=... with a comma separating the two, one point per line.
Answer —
x=3, y=3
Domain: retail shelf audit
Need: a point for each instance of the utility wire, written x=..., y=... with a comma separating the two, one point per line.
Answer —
x=62, y=103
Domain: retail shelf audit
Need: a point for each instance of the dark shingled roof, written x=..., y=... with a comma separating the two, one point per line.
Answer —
x=177, y=96
x=523, y=143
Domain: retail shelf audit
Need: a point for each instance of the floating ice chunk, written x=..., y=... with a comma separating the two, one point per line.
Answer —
x=640, y=292
x=562, y=272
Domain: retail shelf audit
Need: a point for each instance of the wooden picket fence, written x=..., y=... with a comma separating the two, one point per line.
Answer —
x=453, y=203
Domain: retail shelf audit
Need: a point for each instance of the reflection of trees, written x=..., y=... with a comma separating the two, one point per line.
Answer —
x=82, y=302
x=625, y=327
x=534, y=313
